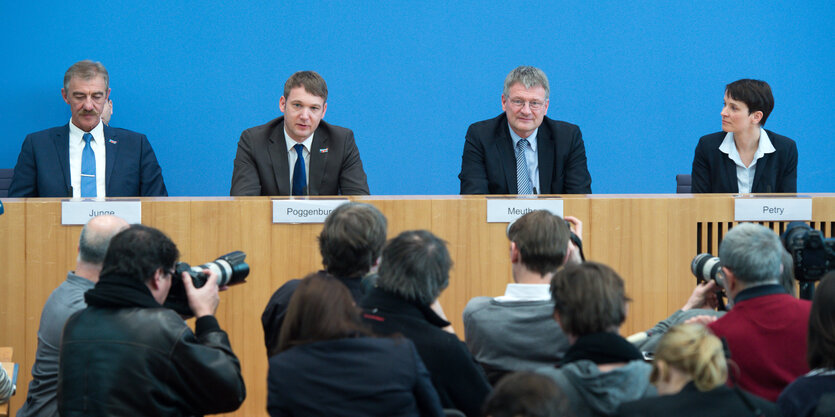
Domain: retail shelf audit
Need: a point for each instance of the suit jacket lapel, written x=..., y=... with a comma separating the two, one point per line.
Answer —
x=504, y=146
x=62, y=149
x=545, y=150
x=729, y=174
x=110, y=152
x=318, y=160
x=277, y=150
x=762, y=167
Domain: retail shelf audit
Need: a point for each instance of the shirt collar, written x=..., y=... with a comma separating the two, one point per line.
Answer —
x=763, y=147
x=759, y=291
x=307, y=143
x=516, y=138
x=526, y=292
x=97, y=132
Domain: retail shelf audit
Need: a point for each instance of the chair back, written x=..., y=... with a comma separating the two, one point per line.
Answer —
x=5, y=181
x=683, y=185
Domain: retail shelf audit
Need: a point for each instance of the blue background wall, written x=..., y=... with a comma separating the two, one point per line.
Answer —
x=643, y=81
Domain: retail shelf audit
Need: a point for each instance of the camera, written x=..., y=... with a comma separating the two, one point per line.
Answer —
x=812, y=255
x=230, y=269
x=706, y=268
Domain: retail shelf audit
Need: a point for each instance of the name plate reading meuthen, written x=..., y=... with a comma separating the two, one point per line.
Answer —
x=508, y=210
x=81, y=211
x=303, y=211
x=772, y=209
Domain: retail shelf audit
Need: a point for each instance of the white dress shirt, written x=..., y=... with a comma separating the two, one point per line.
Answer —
x=76, y=148
x=745, y=175
x=292, y=156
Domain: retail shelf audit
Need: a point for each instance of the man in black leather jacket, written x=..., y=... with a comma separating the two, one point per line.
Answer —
x=125, y=354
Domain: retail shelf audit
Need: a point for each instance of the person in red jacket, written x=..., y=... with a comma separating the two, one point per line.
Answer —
x=766, y=327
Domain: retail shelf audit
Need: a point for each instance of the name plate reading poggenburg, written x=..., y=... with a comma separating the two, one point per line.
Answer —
x=772, y=209
x=508, y=210
x=303, y=211
x=81, y=211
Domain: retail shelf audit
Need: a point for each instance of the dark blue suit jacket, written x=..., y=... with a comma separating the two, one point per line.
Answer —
x=43, y=166
x=488, y=165
x=714, y=172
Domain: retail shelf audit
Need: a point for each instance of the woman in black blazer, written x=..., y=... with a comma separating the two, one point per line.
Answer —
x=744, y=157
x=329, y=364
x=690, y=372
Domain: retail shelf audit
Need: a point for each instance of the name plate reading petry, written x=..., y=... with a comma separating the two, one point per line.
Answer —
x=772, y=209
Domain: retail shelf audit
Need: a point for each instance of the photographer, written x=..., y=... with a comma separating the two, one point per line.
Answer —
x=125, y=354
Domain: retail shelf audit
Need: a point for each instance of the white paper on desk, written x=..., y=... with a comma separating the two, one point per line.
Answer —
x=772, y=209
x=303, y=211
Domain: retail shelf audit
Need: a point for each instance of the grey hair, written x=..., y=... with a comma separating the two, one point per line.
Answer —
x=528, y=77
x=753, y=253
x=415, y=266
x=86, y=70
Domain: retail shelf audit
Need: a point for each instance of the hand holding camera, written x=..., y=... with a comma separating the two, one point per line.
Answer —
x=203, y=301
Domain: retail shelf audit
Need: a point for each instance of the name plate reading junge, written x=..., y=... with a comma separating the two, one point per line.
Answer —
x=79, y=212
x=772, y=209
x=303, y=211
x=508, y=210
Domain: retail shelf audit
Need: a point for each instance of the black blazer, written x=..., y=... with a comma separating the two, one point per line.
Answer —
x=718, y=402
x=261, y=166
x=714, y=172
x=488, y=165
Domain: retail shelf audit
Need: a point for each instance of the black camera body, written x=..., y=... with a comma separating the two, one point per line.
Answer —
x=812, y=254
x=230, y=269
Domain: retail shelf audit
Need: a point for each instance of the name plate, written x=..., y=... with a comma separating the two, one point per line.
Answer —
x=303, y=211
x=772, y=209
x=80, y=212
x=508, y=210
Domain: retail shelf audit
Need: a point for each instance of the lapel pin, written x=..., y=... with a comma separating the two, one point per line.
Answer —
x=113, y=141
x=323, y=150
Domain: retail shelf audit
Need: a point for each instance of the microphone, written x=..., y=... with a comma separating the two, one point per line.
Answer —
x=534, y=190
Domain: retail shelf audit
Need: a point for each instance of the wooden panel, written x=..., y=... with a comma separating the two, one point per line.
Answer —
x=649, y=240
x=13, y=302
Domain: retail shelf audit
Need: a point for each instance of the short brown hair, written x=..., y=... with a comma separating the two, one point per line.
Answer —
x=86, y=70
x=589, y=298
x=820, y=352
x=312, y=82
x=352, y=239
x=542, y=240
x=321, y=308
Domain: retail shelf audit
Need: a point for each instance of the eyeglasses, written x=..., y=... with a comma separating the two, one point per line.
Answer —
x=520, y=104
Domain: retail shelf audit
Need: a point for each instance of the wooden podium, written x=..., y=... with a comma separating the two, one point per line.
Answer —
x=649, y=239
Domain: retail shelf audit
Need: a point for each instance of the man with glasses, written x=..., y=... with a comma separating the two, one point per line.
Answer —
x=516, y=153
x=86, y=158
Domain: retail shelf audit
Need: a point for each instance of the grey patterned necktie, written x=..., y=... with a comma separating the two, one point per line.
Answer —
x=523, y=179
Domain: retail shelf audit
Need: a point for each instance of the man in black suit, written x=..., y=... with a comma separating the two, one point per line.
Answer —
x=298, y=153
x=522, y=151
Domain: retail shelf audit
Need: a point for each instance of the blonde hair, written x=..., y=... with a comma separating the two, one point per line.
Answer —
x=692, y=349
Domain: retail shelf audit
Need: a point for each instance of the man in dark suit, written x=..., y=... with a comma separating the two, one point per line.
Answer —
x=85, y=158
x=298, y=153
x=521, y=151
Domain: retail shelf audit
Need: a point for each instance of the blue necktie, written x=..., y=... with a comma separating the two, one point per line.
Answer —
x=88, y=169
x=299, y=181
x=523, y=179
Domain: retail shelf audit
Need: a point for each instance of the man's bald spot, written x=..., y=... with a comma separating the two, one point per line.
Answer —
x=96, y=235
